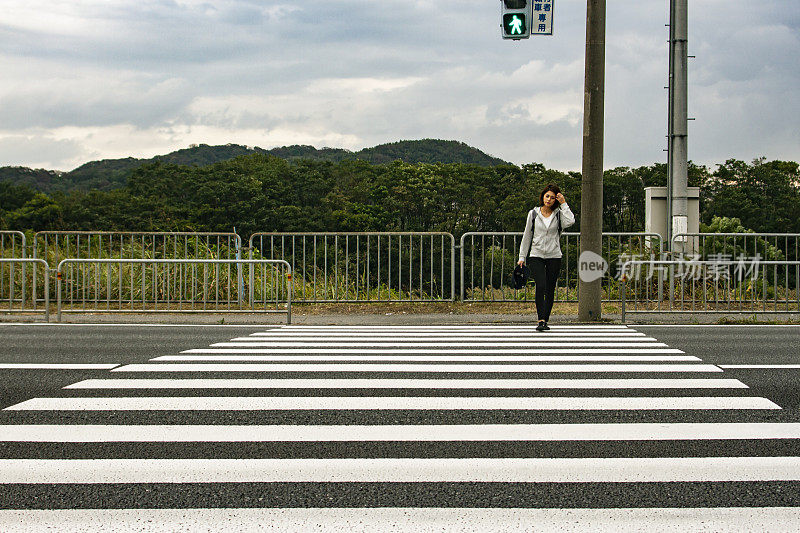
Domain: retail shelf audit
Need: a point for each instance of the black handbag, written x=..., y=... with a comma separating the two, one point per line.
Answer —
x=520, y=276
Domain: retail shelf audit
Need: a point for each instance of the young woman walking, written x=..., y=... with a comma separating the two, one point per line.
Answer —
x=541, y=247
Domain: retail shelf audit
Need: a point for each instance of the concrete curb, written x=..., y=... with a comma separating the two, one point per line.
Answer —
x=395, y=318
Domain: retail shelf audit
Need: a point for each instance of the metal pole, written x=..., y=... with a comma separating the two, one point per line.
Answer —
x=678, y=119
x=589, y=300
x=239, y=275
x=58, y=293
x=453, y=269
x=46, y=292
x=289, y=287
x=461, y=268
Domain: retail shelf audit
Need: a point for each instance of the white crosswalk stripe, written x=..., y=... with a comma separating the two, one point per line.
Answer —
x=247, y=403
x=395, y=383
x=417, y=368
x=510, y=470
x=425, y=358
x=517, y=349
x=504, y=344
x=405, y=416
x=460, y=336
x=405, y=433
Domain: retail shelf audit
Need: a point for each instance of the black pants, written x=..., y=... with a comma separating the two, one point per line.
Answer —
x=545, y=275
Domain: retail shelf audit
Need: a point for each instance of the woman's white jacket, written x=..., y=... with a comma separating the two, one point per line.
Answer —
x=542, y=240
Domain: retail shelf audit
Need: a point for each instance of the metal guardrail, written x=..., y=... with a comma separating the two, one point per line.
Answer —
x=489, y=258
x=364, y=266
x=13, y=244
x=20, y=292
x=713, y=286
x=53, y=246
x=735, y=244
x=171, y=286
x=384, y=266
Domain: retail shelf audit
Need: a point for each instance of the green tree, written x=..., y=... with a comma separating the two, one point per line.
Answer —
x=12, y=197
x=39, y=213
x=764, y=195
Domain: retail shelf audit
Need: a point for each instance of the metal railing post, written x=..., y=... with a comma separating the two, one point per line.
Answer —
x=46, y=291
x=58, y=293
x=660, y=274
x=289, y=294
x=452, y=268
x=461, y=268
x=251, y=270
x=239, y=276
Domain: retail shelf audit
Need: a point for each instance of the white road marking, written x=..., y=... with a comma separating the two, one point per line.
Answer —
x=528, y=329
x=631, y=383
x=509, y=470
x=759, y=366
x=398, y=433
x=459, y=336
x=549, y=345
x=473, y=358
x=456, y=326
x=57, y=366
x=380, y=367
x=384, y=519
x=722, y=326
x=138, y=325
x=521, y=349
x=456, y=520
x=282, y=403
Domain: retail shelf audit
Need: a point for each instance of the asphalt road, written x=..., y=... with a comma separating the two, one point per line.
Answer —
x=218, y=443
x=40, y=343
x=50, y=343
x=770, y=346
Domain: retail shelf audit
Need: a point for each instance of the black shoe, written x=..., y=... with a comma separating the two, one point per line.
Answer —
x=542, y=326
x=546, y=327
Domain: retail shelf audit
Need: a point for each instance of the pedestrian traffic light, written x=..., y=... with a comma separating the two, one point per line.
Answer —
x=515, y=19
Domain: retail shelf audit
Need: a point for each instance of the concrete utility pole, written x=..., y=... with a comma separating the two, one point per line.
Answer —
x=677, y=163
x=589, y=293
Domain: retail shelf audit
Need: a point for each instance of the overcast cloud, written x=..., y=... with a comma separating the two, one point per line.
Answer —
x=93, y=79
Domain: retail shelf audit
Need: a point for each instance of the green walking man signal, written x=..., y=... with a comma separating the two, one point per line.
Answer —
x=515, y=24
x=516, y=15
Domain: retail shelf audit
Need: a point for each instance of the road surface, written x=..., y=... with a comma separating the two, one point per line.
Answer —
x=464, y=426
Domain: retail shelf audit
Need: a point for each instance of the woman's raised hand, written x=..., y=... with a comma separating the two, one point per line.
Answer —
x=560, y=198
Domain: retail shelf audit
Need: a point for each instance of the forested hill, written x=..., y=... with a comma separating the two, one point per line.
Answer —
x=109, y=174
x=262, y=192
x=37, y=179
x=428, y=151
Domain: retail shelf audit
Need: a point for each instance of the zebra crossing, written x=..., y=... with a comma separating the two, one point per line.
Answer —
x=405, y=417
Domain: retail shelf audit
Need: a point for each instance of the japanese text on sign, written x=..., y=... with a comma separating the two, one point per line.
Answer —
x=542, y=22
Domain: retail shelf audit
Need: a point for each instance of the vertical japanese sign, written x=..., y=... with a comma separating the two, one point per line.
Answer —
x=542, y=19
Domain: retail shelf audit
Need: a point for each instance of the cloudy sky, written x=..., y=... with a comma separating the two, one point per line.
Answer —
x=93, y=79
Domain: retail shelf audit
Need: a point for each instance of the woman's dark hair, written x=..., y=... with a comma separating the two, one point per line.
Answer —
x=551, y=187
